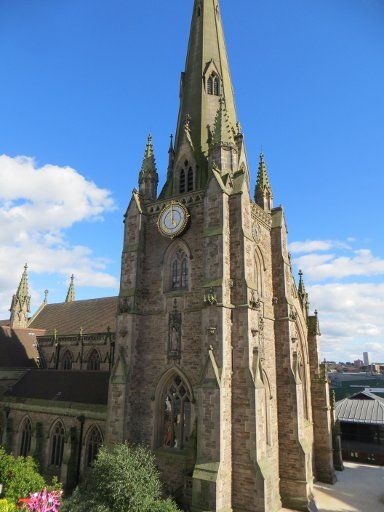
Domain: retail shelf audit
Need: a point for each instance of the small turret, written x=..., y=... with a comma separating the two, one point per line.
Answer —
x=263, y=191
x=21, y=301
x=148, y=177
x=71, y=290
x=222, y=141
x=303, y=295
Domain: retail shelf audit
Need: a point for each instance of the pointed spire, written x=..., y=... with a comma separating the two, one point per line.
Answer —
x=171, y=150
x=71, y=290
x=303, y=295
x=206, y=78
x=223, y=131
x=148, y=177
x=20, y=306
x=263, y=191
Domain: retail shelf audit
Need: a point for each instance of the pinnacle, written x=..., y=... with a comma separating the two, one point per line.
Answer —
x=222, y=133
x=23, y=291
x=71, y=290
x=149, y=163
x=262, y=176
x=301, y=288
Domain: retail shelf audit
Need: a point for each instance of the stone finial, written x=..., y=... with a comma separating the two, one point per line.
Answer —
x=263, y=190
x=46, y=292
x=71, y=290
x=148, y=177
x=20, y=306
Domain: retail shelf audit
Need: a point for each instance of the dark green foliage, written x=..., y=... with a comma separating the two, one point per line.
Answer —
x=122, y=479
x=19, y=476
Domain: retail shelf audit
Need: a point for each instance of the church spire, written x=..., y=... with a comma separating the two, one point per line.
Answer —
x=263, y=191
x=148, y=177
x=71, y=290
x=20, y=306
x=205, y=80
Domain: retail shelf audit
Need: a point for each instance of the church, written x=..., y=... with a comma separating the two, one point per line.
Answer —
x=209, y=355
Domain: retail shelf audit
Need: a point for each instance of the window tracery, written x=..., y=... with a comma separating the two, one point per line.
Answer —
x=186, y=178
x=177, y=414
x=179, y=271
x=214, y=85
x=67, y=361
x=94, y=361
x=57, y=445
x=26, y=437
x=94, y=442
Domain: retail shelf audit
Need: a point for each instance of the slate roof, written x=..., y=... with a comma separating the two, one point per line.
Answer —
x=18, y=347
x=94, y=316
x=363, y=407
x=86, y=387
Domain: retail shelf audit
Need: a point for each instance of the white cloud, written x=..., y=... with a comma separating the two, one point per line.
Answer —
x=324, y=266
x=37, y=205
x=317, y=245
x=351, y=313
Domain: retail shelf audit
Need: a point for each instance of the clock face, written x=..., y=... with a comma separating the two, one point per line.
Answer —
x=173, y=219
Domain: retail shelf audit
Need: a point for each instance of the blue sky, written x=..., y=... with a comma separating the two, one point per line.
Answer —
x=83, y=82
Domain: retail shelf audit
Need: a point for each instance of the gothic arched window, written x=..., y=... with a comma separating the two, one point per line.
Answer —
x=67, y=361
x=190, y=180
x=94, y=361
x=210, y=85
x=216, y=86
x=182, y=182
x=94, y=442
x=177, y=414
x=179, y=271
x=57, y=445
x=26, y=436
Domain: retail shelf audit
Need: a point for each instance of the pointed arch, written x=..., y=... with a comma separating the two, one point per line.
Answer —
x=259, y=270
x=210, y=85
x=25, y=430
x=94, y=360
x=67, y=360
x=176, y=263
x=57, y=435
x=267, y=407
x=190, y=180
x=174, y=406
x=182, y=182
x=216, y=86
x=94, y=440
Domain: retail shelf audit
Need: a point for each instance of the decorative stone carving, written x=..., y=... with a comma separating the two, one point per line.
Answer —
x=174, y=337
x=124, y=305
x=293, y=313
x=210, y=298
x=211, y=331
x=254, y=303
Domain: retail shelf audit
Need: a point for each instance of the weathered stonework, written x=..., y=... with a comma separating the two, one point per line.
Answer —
x=231, y=329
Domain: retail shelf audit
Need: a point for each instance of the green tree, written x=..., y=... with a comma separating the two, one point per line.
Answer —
x=122, y=479
x=19, y=476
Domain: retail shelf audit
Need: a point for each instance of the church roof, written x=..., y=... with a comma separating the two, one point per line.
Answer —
x=362, y=407
x=18, y=347
x=93, y=316
x=87, y=387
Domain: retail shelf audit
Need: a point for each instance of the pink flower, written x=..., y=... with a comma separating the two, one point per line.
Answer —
x=43, y=501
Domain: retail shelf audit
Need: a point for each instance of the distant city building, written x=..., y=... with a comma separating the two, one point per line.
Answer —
x=358, y=363
x=366, y=359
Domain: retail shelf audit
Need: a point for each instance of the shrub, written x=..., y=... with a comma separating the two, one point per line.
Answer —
x=122, y=479
x=19, y=476
x=7, y=506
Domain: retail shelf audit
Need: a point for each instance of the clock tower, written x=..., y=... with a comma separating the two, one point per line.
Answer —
x=216, y=359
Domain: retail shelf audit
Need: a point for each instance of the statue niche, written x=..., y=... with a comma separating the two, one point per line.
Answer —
x=174, y=337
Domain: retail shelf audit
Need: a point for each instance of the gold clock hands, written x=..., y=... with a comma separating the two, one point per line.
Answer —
x=172, y=217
